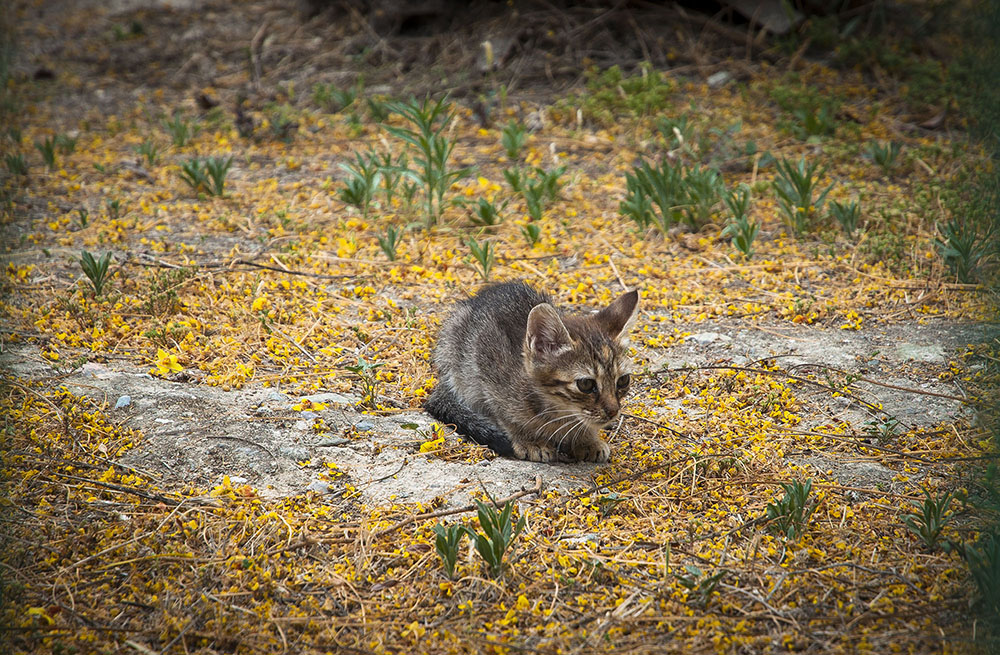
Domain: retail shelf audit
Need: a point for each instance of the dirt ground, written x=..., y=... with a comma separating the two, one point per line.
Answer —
x=223, y=450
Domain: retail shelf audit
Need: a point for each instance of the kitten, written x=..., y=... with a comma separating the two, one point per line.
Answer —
x=518, y=376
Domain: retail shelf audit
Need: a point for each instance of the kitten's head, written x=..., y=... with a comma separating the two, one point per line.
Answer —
x=580, y=362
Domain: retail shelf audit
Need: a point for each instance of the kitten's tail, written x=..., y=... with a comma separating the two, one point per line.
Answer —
x=446, y=407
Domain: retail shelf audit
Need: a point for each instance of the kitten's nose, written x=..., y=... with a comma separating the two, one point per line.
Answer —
x=610, y=408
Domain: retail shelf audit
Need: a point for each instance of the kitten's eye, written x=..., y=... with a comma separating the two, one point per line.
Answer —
x=587, y=385
x=623, y=381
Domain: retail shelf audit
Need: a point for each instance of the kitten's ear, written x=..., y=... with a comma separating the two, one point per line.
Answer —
x=546, y=335
x=617, y=318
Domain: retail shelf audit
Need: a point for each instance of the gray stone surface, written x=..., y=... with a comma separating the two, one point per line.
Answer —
x=196, y=434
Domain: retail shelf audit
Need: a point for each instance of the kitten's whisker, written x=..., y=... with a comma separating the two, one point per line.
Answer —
x=580, y=421
x=563, y=415
x=570, y=415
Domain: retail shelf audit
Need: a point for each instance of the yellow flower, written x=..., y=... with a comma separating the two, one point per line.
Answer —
x=430, y=446
x=259, y=303
x=166, y=363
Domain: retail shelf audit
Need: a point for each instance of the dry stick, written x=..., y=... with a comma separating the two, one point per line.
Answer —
x=657, y=424
x=322, y=276
x=887, y=385
x=14, y=383
x=855, y=439
x=116, y=487
x=611, y=260
x=139, y=647
x=306, y=541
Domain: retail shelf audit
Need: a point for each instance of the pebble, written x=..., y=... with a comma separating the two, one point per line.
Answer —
x=123, y=402
x=307, y=415
x=335, y=441
x=364, y=426
x=238, y=479
x=298, y=453
x=719, y=79
x=933, y=353
x=579, y=540
x=319, y=486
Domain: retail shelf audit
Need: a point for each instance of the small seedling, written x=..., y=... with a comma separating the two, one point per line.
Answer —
x=486, y=214
x=846, y=214
x=369, y=382
x=192, y=173
x=392, y=172
x=113, y=207
x=83, y=215
x=883, y=430
x=661, y=186
x=701, y=584
x=332, y=99
x=447, y=543
x=798, y=193
x=48, y=150
x=817, y=120
x=66, y=144
x=377, y=109
x=483, y=254
x=533, y=202
x=539, y=189
x=815, y=113
x=428, y=120
x=512, y=139
x=884, y=154
x=531, y=232
x=206, y=174
x=963, y=248
x=148, y=151
x=704, y=189
x=96, y=270
x=741, y=230
x=931, y=520
x=498, y=533
x=16, y=164
x=216, y=169
x=790, y=515
x=607, y=504
x=515, y=178
x=281, y=121
x=611, y=95
x=390, y=242
x=549, y=182
x=983, y=559
x=678, y=132
x=180, y=130
x=638, y=205
x=362, y=181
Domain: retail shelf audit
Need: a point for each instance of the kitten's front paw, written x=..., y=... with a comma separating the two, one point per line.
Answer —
x=592, y=450
x=535, y=452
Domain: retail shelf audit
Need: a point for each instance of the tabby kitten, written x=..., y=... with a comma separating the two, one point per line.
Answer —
x=529, y=382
